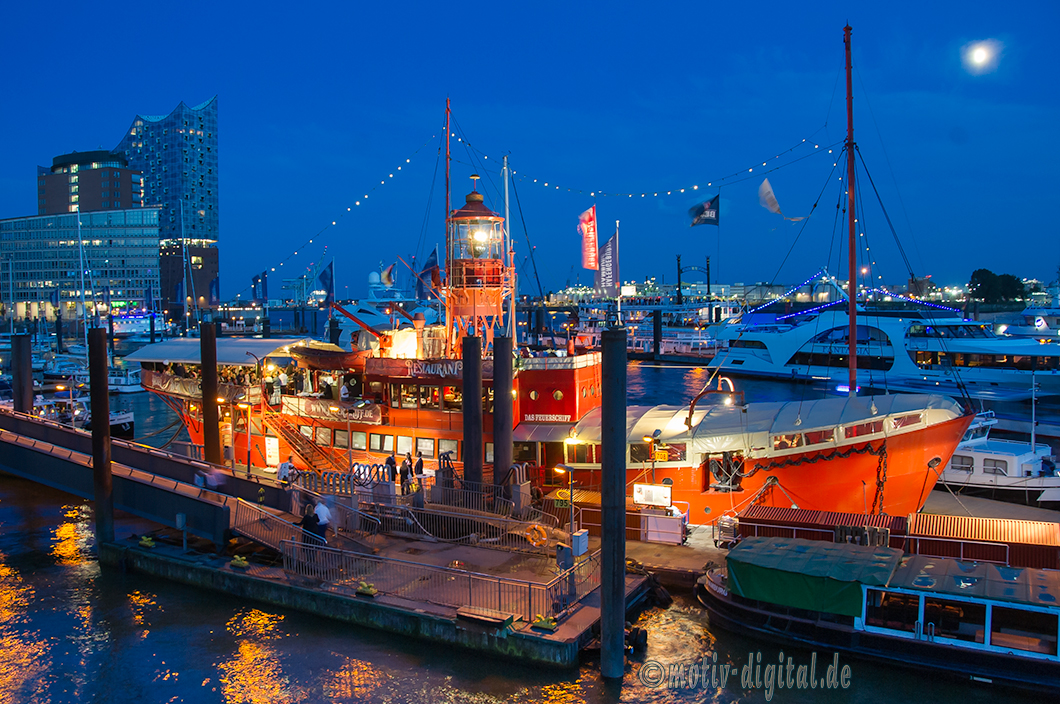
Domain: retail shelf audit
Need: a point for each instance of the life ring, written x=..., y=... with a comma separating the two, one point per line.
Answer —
x=537, y=535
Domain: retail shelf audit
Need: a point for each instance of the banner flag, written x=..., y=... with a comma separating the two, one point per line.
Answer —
x=706, y=213
x=215, y=291
x=769, y=201
x=587, y=226
x=607, y=274
x=430, y=273
x=327, y=282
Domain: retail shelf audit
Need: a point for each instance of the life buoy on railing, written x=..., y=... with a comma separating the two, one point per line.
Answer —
x=537, y=535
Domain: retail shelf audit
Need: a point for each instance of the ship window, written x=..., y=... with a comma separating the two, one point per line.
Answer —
x=639, y=452
x=899, y=612
x=395, y=395
x=856, y=431
x=991, y=466
x=306, y=430
x=524, y=452
x=1030, y=631
x=453, y=397
x=381, y=443
x=578, y=453
x=324, y=437
x=449, y=446
x=960, y=620
x=489, y=452
x=962, y=463
x=404, y=445
x=359, y=440
x=907, y=420
x=429, y=397
x=375, y=388
x=786, y=442
x=425, y=446
x=342, y=439
x=408, y=395
x=533, y=395
x=585, y=392
x=558, y=395
x=815, y=437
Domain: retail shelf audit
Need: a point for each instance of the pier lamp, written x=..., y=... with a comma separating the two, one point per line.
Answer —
x=564, y=469
x=654, y=446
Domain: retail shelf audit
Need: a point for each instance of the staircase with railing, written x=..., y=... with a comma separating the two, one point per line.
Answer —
x=315, y=457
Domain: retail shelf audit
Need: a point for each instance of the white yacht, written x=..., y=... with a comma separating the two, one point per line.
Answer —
x=1008, y=469
x=898, y=350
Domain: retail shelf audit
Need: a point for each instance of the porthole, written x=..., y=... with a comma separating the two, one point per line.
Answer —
x=533, y=395
x=558, y=395
x=585, y=392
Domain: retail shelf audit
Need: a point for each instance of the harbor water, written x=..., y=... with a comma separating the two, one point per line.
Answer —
x=70, y=632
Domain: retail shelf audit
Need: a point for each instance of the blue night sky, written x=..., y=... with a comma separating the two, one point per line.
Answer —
x=318, y=104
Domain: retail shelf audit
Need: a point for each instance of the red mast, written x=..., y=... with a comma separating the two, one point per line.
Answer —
x=852, y=288
x=448, y=204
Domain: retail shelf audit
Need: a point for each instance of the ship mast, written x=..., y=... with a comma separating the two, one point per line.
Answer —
x=852, y=253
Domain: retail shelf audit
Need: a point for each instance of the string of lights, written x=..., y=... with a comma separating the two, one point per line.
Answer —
x=752, y=171
x=349, y=209
x=913, y=300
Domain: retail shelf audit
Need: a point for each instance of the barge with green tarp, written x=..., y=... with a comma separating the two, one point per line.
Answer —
x=990, y=623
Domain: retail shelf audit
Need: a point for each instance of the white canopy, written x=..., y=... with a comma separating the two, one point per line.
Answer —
x=237, y=352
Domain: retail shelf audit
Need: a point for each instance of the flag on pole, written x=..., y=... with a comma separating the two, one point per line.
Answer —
x=387, y=277
x=327, y=282
x=768, y=200
x=706, y=213
x=215, y=291
x=587, y=226
x=430, y=276
x=607, y=274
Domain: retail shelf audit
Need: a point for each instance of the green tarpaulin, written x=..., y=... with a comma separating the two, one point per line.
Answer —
x=809, y=574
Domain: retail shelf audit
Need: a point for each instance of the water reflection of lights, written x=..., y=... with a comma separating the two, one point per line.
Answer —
x=253, y=674
x=24, y=661
x=139, y=604
x=73, y=539
x=563, y=693
x=356, y=680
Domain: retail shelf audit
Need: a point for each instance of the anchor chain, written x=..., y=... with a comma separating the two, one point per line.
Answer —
x=881, y=480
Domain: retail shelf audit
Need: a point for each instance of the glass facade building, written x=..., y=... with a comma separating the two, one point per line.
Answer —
x=41, y=255
x=177, y=155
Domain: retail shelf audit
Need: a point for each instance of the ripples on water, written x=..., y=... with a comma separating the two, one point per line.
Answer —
x=72, y=633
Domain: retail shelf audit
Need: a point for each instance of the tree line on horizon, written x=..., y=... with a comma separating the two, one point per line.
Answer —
x=988, y=287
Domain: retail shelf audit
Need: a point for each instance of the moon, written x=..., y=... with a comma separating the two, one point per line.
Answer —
x=981, y=56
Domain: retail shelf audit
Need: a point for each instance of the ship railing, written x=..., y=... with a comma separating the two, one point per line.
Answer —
x=346, y=520
x=403, y=581
x=455, y=491
x=264, y=527
x=464, y=527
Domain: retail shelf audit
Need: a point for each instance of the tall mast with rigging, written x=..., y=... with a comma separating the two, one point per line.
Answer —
x=852, y=287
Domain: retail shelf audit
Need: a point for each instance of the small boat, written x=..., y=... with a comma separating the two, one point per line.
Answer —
x=992, y=624
x=119, y=381
x=1005, y=469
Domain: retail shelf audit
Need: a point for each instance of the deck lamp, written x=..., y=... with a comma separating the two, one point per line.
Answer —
x=564, y=469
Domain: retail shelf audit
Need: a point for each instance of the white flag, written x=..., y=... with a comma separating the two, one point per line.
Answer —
x=769, y=201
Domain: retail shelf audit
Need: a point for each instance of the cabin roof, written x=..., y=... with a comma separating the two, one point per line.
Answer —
x=979, y=579
x=230, y=351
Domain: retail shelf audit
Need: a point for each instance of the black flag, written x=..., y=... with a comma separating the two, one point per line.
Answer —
x=706, y=213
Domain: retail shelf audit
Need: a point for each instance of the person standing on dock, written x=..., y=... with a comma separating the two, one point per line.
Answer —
x=323, y=514
x=418, y=469
x=406, y=470
x=283, y=381
x=391, y=467
x=283, y=472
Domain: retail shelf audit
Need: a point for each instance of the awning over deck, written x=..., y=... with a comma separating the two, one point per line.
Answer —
x=235, y=352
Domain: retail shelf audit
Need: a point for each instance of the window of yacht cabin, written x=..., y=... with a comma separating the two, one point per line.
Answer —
x=453, y=398
x=907, y=420
x=992, y=466
x=861, y=429
x=306, y=431
x=342, y=439
x=452, y=446
x=960, y=620
x=898, y=612
x=639, y=452
x=1029, y=631
x=359, y=440
x=962, y=463
x=404, y=445
x=786, y=442
x=816, y=437
x=430, y=397
x=323, y=437
x=425, y=446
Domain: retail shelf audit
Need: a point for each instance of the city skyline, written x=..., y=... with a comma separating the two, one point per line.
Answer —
x=321, y=108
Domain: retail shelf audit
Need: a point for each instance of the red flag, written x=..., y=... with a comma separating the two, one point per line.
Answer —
x=587, y=225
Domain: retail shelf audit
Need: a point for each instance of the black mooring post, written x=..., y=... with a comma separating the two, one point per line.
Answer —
x=472, y=390
x=22, y=372
x=110, y=333
x=211, y=434
x=152, y=328
x=102, y=483
x=613, y=505
x=656, y=331
x=502, y=407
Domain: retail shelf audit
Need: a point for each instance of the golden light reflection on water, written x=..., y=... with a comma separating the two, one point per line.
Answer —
x=23, y=656
x=73, y=539
x=563, y=693
x=253, y=674
x=140, y=603
x=355, y=680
